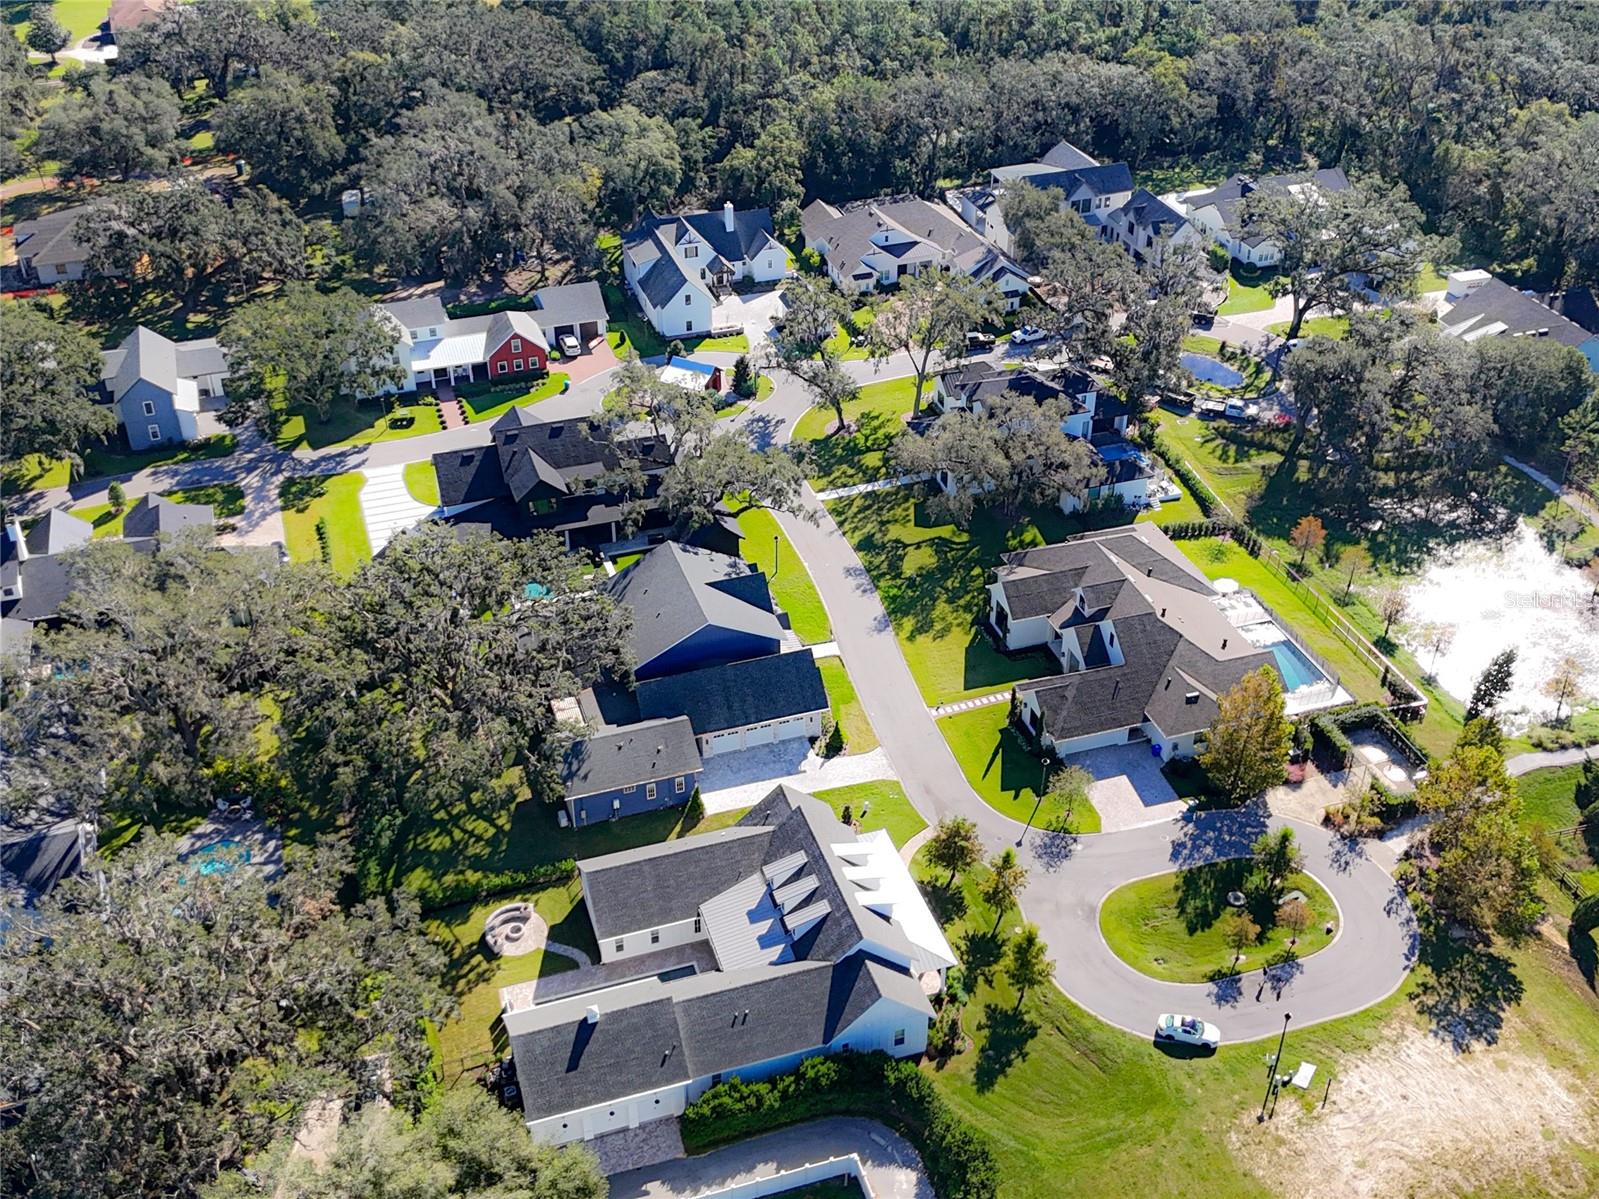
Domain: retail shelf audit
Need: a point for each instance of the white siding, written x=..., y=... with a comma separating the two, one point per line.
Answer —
x=634, y=943
x=728, y=740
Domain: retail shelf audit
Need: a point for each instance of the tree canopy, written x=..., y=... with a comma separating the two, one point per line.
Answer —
x=55, y=366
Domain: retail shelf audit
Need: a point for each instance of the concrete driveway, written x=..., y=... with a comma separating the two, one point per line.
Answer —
x=1129, y=790
x=753, y=313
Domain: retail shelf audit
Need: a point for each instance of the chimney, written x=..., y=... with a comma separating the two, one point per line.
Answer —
x=592, y=1015
x=1224, y=643
x=727, y=215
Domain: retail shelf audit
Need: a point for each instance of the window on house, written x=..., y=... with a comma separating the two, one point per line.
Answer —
x=500, y=368
x=516, y=364
x=687, y=299
x=153, y=432
x=678, y=785
x=516, y=345
x=698, y=924
x=649, y=790
x=618, y=946
x=688, y=325
x=691, y=251
x=629, y=789
x=149, y=407
x=899, y=1037
x=655, y=936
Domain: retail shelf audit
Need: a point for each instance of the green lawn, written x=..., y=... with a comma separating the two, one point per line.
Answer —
x=486, y=405
x=35, y=472
x=931, y=580
x=1075, y=1109
x=1001, y=768
x=629, y=329
x=875, y=418
x=228, y=502
x=1169, y=927
x=887, y=807
x=337, y=499
x=859, y=736
x=1335, y=327
x=422, y=481
x=768, y=547
x=854, y=347
x=1430, y=278
x=80, y=18
x=352, y=423
x=1242, y=297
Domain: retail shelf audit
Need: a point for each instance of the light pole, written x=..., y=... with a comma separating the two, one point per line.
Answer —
x=776, y=543
x=1271, y=1075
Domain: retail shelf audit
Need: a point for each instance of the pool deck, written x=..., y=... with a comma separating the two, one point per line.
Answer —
x=263, y=842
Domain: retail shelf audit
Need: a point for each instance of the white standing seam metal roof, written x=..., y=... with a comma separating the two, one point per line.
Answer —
x=458, y=349
x=884, y=885
x=745, y=926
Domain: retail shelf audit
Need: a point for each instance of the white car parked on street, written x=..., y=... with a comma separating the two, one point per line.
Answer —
x=1187, y=1030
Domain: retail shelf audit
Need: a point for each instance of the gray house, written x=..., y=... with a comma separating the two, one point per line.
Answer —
x=161, y=387
x=48, y=249
x=641, y=768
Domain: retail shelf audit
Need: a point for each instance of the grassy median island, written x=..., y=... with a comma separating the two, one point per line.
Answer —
x=1170, y=926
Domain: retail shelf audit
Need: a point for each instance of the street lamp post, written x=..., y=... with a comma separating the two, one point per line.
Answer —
x=1271, y=1075
x=775, y=550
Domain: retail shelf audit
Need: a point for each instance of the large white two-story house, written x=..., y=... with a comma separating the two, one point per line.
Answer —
x=1219, y=211
x=872, y=244
x=676, y=266
x=786, y=936
x=1093, y=415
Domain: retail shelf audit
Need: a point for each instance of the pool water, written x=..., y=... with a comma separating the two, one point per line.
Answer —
x=221, y=858
x=1297, y=670
x=1211, y=370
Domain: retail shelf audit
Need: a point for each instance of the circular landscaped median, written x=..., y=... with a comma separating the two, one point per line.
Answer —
x=1179, y=927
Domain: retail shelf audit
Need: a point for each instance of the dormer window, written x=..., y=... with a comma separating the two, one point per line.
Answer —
x=691, y=251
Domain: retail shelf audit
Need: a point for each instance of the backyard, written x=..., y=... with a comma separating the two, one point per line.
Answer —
x=1004, y=771
x=1170, y=926
x=337, y=500
x=886, y=806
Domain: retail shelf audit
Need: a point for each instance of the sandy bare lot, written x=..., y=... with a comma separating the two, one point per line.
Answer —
x=1414, y=1118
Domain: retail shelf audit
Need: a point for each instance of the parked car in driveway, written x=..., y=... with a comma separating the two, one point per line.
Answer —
x=1187, y=1030
x=1026, y=335
x=570, y=346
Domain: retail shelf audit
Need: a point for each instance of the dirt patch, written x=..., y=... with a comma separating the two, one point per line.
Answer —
x=1414, y=1118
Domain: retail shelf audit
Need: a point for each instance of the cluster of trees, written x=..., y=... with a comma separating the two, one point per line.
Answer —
x=1484, y=115
x=422, y=684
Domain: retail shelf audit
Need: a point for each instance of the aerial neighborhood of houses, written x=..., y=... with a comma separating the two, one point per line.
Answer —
x=874, y=672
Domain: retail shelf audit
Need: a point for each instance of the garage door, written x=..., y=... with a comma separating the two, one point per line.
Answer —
x=721, y=743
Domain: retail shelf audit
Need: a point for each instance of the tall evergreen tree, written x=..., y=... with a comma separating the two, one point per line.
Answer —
x=1493, y=684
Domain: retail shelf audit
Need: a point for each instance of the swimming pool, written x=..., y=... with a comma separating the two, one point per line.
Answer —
x=1297, y=670
x=220, y=857
x=1117, y=450
x=1211, y=370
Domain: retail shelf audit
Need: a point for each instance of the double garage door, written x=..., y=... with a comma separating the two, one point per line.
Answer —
x=756, y=734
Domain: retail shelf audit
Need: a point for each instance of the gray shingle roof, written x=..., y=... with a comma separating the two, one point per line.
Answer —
x=51, y=239
x=57, y=531
x=640, y=753
x=1228, y=197
x=736, y=694
x=1496, y=309
x=143, y=354
x=570, y=304
x=662, y=282
x=675, y=590
x=422, y=313
x=928, y=231
x=663, y=883
x=155, y=515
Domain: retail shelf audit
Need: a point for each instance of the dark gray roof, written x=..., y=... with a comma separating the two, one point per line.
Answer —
x=1497, y=309
x=528, y=452
x=662, y=281
x=665, y=882
x=155, y=515
x=51, y=239
x=983, y=382
x=1147, y=210
x=569, y=304
x=422, y=313
x=1101, y=179
x=675, y=590
x=640, y=753
x=46, y=583
x=752, y=230
x=736, y=694
x=1228, y=197
x=37, y=858
x=57, y=531
x=1577, y=304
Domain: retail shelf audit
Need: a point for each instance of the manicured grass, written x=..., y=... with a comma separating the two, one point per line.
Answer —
x=1002, y=769
x=35, y=472
x=1076, y=1109
x=854, y=348
x=1430, y=279
x=486, y=405
x=422, y=481
x=768, y=547
x=335, y=498
x=1170, y=926
x=931, y=579
x=731, y=410
x=876, y=418
x=622, y=561
x=202, y=141
x=1335, y=327
x=475, y=976
x=1173, y=512
x=887, y=807
x=227, y=501
x=859, y=736
x=80, y=18
x=1242, y=297
x=1549, y=797
x=352, y=423
x=738, y=343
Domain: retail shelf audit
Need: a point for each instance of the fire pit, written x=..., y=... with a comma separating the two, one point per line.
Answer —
x=513, y=930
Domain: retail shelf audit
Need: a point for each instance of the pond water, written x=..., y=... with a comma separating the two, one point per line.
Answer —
x=1498, y=594
x=1211, y=370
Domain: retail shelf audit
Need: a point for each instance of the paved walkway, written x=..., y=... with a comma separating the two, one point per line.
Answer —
x=1545, y=759
x=966, y=705
x=815, y=774
x=387, y=505
x=893, y=1169
x=1569, y=494
x=839, y=493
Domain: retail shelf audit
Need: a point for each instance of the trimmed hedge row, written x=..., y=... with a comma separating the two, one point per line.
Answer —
x=1193, y=530
x=957, y=1158
x=449, y=892
x=1197, y=487
x=1329, y=732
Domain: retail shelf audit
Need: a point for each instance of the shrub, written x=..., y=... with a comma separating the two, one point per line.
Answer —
x=323, y=548
x=1587, y=792
x=117, y=497
x=446, y=892
x=957, y=1158
x=694, y=810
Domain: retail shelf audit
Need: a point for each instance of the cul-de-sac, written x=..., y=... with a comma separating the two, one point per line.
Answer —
x=834, y=599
